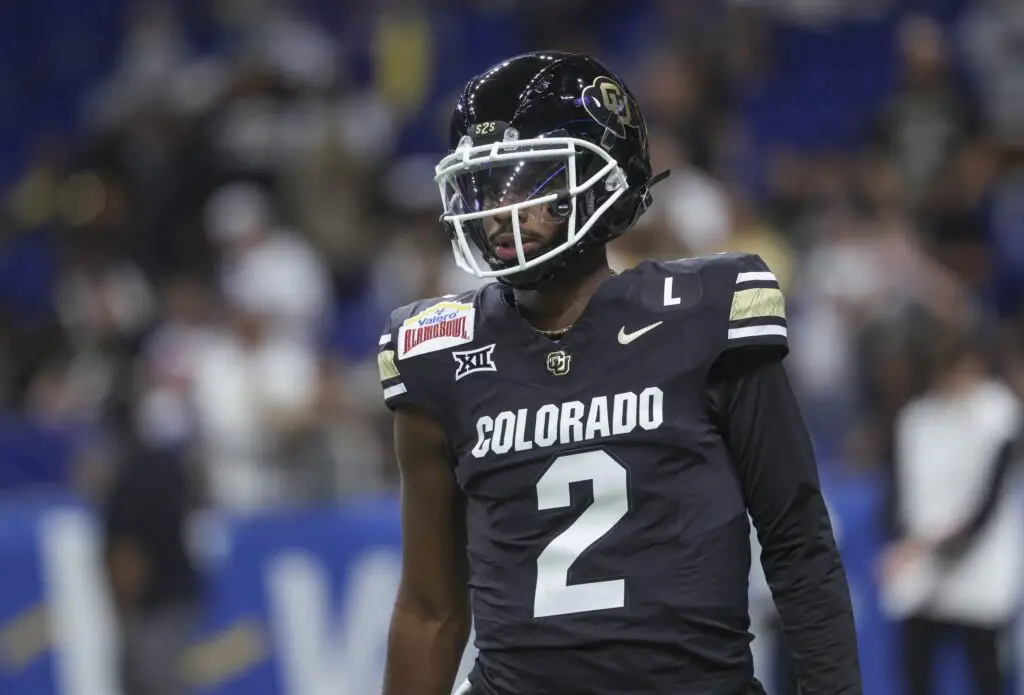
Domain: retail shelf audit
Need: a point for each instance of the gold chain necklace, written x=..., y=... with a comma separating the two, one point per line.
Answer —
x=555, y=333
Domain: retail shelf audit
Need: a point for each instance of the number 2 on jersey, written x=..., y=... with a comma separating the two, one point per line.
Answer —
x=554, y=595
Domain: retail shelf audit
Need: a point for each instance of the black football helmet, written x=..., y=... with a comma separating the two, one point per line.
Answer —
x=547, y=135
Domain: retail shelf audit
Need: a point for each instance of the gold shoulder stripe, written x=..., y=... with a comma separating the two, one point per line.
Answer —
x=386, y=365
x=758, y=303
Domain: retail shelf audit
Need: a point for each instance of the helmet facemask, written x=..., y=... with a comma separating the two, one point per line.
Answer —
x=504, y=191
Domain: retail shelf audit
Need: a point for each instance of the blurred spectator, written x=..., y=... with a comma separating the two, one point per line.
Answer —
x=255, y=392
x=267, y=266
x=328, y=181
x=103, y=300
x=153, y=581
x=927, y=119
x=676, y=99
x=957, y=567
x=991, y=34
x=695, y=205
x=166, y=370
x=153, y=52
x=279, y=37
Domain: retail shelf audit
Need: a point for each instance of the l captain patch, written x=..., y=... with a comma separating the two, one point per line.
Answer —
x=440, y=327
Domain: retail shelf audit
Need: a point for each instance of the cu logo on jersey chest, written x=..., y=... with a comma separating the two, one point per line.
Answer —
x=558, y=363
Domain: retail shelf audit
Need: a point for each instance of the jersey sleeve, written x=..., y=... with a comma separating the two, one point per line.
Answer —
x=409, y=378
x=396, y=392
x=754, y=302
x=758, y=415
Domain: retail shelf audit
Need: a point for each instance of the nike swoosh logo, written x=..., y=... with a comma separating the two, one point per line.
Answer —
x=627, y=338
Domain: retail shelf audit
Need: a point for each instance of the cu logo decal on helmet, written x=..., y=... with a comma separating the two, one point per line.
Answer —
x=607, y=104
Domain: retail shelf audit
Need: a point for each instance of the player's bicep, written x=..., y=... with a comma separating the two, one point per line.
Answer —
x=433, y=518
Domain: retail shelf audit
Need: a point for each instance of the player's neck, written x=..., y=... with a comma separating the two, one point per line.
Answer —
x=559, y=303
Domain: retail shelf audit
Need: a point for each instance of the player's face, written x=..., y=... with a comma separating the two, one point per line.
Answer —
x=505, y=188
x=538, y=227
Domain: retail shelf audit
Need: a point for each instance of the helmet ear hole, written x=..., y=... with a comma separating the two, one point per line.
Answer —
x=562, y=206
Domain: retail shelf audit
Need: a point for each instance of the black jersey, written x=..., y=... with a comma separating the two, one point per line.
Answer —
x=608, y=536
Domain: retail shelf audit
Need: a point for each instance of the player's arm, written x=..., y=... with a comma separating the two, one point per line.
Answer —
x=762, y=426
x=431, y=620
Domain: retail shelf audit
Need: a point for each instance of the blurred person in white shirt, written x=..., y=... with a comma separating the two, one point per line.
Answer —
x=696, y=208
x=957, y=568
x=255, y=392
x=268, y=263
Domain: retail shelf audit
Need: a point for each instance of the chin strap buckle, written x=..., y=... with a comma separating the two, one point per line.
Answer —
x=658, y=178
x=648, y=199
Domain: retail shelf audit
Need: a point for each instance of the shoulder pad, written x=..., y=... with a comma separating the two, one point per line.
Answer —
x=432, y=325
x=743, y=291
x=756, y=306
x=421, y=328
x=718, y=264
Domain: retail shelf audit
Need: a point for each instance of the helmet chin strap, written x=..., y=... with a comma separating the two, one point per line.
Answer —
x=574, y=264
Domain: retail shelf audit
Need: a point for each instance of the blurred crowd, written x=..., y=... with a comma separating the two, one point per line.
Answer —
x=204, y=263
x=198, y=270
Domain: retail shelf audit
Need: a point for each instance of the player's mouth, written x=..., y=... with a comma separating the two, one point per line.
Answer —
x=504, y=245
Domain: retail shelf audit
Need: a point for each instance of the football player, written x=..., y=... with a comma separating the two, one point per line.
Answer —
x=579, y=450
